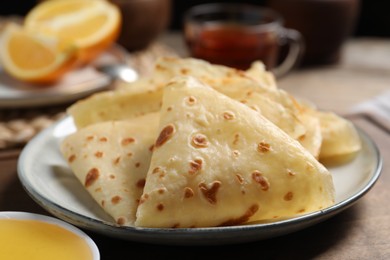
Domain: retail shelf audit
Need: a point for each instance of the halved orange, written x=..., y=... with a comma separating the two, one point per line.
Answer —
x=92, y=25
x=34, y=58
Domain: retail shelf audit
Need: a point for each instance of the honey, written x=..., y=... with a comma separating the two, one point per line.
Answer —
x=33, y=240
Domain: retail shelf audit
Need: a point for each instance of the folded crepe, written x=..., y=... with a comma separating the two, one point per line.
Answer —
x=145, y=95
x=341, y=141
x=258, y=72
x=312, y=140
x=217, y=162
x=111, y=160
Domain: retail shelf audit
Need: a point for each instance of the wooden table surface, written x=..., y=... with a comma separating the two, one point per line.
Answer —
x=360, y=232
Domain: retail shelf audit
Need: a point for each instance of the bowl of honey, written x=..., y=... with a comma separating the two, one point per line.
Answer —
x=26, y=235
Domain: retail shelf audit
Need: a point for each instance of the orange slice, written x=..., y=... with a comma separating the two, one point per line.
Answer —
x=92, y=25
x=34, y=58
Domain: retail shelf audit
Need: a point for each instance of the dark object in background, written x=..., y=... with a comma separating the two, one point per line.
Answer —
x=373, y=20
x=325, y=26
x=142, y=21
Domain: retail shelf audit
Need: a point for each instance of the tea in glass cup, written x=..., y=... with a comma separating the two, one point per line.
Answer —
x=236, y=35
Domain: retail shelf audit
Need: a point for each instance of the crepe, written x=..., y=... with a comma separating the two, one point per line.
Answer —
x=259, y=73
x=115, y=105
x=341, y=142
x=217, y=162
x=145, y=95
x=312, y=140
x=111, y=160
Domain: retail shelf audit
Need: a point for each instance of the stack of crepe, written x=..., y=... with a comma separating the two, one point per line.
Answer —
x=201, y=145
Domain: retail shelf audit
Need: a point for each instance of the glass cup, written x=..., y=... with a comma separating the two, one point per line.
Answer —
x=236, y=35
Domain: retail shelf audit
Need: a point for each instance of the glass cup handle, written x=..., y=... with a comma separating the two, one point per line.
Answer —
x=294, y=39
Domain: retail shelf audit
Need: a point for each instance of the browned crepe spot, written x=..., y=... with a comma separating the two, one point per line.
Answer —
x=288, y=196
x=71, y=158
x=199, y=141
x=191, y=100
x=195, y=166
x=239, y=178
x=116, y=160
x=291, y=173
x=165, y=135
x=210, y=193
x=91, y=177
x=116, y=199
x=103, y=139
x=127, y=141
x=188, y=192
x=161, y=190
x=263, y=147
x=160, y=207
x=244, y=218
x=99, y=154
x=141, y=183
x=184, y=71
x=228, y=115
x=121, y=221
x=158, y=170
x=260, y=179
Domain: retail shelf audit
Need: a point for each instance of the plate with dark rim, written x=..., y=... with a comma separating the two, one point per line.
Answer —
x=47, y=178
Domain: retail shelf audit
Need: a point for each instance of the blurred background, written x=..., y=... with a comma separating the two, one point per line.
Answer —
x=373, y=18
x=324, y=24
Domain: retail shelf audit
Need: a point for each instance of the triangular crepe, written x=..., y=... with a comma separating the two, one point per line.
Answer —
x=144, y=95
x=218, y=162
x=111, y=160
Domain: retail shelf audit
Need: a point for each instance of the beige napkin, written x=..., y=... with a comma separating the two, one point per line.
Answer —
x=377, y=110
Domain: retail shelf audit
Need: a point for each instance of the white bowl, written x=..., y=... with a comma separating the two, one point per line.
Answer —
x=54, y=221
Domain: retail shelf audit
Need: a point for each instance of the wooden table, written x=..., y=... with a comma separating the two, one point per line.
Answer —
x=360, y=232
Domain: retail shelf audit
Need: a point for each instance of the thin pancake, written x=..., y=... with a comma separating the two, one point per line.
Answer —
x=218, y=162
x=111, y=160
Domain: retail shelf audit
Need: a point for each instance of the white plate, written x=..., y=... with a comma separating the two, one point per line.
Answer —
x=75, y=84
x=49, y=181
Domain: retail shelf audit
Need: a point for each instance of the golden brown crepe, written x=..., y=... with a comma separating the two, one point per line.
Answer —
x=331, y=138
x=312, y=140
x=341, y=140
x=218, y=162
x=145, y=95
x=111, y=160
x=258, y=72
x=115, y=105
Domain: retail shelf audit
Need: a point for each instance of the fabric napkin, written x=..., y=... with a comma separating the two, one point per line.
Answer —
x=376, y=109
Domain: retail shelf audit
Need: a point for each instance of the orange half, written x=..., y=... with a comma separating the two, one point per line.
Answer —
x=34, y=58
x=92, y=25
